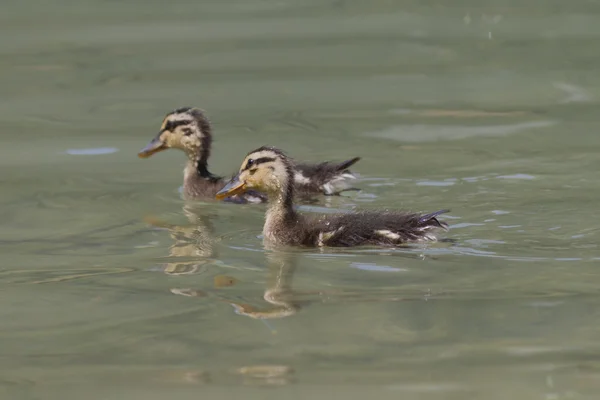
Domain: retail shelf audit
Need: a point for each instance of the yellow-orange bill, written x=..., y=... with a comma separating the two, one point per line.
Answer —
x=233, y=187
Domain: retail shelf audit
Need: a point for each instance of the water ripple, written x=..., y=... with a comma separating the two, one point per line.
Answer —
x=430, y=133
x=94, y=151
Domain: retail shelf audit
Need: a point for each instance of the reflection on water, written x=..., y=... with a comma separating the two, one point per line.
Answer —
x=192, y=241
x=112, y=287
x=278, y=292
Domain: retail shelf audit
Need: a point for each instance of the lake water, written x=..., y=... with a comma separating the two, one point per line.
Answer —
x=113, y=287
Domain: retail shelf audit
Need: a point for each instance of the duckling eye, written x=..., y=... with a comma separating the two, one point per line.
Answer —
x=187, y=131
x=250, y=163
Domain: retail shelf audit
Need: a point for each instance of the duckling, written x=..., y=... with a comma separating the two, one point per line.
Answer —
x=189, y=129
x=269, y=170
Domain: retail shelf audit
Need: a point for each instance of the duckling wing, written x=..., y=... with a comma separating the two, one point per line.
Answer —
x=377, y=228
x=327, y=177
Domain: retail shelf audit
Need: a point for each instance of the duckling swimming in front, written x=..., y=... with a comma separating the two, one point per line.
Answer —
x=269, y=171
x=189, y=129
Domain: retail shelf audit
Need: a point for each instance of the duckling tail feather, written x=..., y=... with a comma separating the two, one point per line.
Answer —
x=431, y=219
x=347, y=164
x=337, y=181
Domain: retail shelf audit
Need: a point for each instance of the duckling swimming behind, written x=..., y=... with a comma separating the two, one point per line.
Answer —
x=268, y=170
x=189, y=129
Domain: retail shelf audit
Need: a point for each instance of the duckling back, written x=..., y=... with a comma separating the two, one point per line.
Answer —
x=377, y=228
x=327, y=177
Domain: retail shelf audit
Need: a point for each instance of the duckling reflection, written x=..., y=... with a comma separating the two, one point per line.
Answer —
x=278, y=294
x=279, y=291
x=191, y=241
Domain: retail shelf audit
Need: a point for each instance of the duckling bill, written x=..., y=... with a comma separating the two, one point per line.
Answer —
x=188, y=129
x=269, y=171
x=153, y=147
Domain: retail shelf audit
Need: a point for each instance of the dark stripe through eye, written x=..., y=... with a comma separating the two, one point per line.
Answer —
x=251, y=162
x=171, y=125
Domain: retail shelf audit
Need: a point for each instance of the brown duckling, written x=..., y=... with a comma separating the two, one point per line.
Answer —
x=189, y=129
x=269, y=171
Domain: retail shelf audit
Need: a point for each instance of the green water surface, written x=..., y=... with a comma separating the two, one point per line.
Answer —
x=111, y=287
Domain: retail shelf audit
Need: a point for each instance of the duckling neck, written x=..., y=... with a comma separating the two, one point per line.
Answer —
x=280, y=216
x=202, y=171
x=196, y=172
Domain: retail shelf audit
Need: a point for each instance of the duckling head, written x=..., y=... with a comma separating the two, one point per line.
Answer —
x=186, y=129
x=266, y=170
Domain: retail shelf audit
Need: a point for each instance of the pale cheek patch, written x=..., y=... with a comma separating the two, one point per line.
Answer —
x=190, y=141
x=190, y=144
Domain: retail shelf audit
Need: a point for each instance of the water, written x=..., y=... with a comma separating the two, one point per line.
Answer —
x=112, y=287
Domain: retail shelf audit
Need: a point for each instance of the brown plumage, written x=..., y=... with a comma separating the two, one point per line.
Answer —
x=268, y=170
x=189, y=129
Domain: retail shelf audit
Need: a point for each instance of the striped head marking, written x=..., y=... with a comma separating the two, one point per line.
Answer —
x=266, y=169
x=187, y=129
